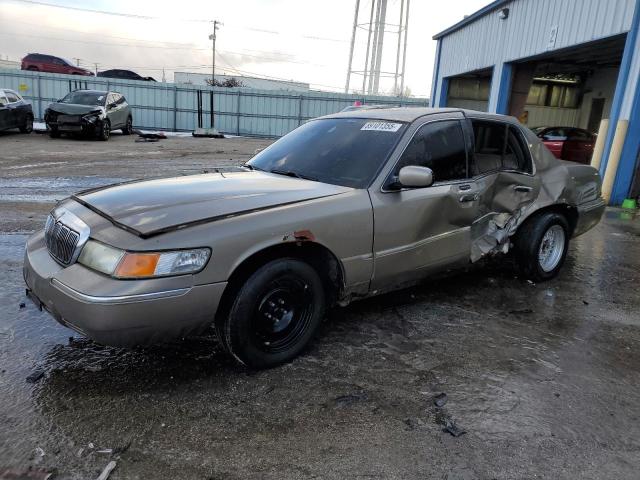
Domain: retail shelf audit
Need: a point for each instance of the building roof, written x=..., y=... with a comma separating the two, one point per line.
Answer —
x=472, y=18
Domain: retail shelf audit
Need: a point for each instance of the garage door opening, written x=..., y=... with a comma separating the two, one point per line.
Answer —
x=572, y=87
x=470, y=91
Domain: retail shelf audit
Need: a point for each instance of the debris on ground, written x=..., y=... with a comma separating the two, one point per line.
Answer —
x=452, y=428
x=521, y=311
x=411, y=423
x=346, y=400
x=149, y=136
x=35, y=376
x=35, y=474
x=207, y=133
x=107, y=470
x=440, y=400
x=22, y=305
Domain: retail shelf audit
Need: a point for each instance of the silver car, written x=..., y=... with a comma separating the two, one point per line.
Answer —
x=344, y=207
x=89, y=112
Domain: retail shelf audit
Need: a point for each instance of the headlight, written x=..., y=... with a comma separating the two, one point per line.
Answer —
x=91, y=117
x=122, y=264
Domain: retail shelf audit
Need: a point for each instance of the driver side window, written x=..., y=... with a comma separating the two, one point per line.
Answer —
x=439, y=146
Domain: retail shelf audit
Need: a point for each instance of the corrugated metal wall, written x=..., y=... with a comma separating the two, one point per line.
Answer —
x=168, y=106
x=529, y=31
x=552, y=116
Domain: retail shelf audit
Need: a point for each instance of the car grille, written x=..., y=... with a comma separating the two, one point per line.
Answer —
x=68, y=118
x=61, y=240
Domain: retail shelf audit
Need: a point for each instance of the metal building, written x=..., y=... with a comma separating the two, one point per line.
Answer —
x=553, y=63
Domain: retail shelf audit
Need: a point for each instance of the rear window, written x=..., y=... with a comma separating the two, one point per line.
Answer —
x=340, y=151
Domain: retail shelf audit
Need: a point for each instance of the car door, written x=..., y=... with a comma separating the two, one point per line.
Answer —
x=112, y=110
x=5, y=113
x=417, y=230
x=16, y=109
x=504, y=177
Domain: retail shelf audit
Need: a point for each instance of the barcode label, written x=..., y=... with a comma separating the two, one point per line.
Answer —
x=382, y=126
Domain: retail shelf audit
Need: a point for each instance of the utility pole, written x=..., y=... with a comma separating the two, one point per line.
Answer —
x=353, y=40
x=212, y=37
x=77, y=61
x=96, y=65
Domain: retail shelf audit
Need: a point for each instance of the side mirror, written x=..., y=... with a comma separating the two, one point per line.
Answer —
x=414, y=176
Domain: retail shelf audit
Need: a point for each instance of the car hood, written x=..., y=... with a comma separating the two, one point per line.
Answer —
x=74, y=109
x=151, y=207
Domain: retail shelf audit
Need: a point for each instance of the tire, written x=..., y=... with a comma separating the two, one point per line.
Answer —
x=105, y=131
x=128, y=128
x=28, y=126
x=274, y=314
x=541, y=246
x=54, y=132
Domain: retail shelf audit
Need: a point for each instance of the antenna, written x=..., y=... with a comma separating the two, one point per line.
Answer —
x=375, y=29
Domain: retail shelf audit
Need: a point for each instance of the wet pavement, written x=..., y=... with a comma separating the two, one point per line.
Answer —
x=544, y=378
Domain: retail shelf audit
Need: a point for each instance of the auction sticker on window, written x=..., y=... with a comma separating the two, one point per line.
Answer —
x=382, y=126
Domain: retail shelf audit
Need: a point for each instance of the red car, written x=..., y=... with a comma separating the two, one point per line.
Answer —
x=38, y=62
x=568, y=143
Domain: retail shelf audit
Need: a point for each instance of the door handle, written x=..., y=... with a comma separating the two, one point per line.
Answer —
x=464, y=187
x=522, y=188
x=470, y=197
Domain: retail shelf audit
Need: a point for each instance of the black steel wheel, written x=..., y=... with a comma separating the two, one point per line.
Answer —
x=274, y=315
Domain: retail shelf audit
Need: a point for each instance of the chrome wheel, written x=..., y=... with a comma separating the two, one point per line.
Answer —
x=551, y=248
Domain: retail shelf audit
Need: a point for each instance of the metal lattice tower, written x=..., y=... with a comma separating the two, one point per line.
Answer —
x=375, y=30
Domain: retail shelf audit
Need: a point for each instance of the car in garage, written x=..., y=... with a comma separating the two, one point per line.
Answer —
x=38, y=62
x=89, y=112
x=568, y=143
x=124, y=74
x=344, y=207
x=15, y=112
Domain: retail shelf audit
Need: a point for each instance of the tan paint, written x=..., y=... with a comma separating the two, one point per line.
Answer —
x=614, y=159
x=596, y=158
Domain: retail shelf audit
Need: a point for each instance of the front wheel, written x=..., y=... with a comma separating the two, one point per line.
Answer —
x=105, y=131
x=54, y=132
x=28, y=125
x=541, y=246
x=274, y=315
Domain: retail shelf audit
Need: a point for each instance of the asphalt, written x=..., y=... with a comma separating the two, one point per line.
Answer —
x=544, y=379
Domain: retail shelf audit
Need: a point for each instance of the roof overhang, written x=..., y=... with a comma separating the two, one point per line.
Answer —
x=472, y=18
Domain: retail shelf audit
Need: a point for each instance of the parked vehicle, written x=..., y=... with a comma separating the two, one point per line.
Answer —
x=126, y=74
x=568, y=143
x=89, y=112
x=15, y=112
x=37, y=62
x=262, y=250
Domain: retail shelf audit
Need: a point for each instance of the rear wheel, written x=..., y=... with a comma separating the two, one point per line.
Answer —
x=128, y=128
x=541, y=246
x=28, y=125
x=105, y=131
x=274, y=314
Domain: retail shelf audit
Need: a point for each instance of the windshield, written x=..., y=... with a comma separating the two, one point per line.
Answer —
x=85, y=98
x=340, y=151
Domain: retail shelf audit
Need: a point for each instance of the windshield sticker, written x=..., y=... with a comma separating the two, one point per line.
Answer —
x=382, y=126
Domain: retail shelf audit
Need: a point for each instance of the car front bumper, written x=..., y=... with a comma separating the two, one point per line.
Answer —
x=135, y=312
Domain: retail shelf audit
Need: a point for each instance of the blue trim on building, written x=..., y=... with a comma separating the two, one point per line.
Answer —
x=444, y=93
x=471, y=18
x=631, y=149
x=436, y=74
x=621, y=86
x=504, y=89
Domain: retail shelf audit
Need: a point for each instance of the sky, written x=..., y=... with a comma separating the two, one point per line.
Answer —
x=300, y=40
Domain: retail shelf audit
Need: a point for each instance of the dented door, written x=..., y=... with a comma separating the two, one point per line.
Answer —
x=417, y=230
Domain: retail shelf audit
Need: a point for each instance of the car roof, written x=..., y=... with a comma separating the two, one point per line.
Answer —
x=102, y=92
x=411, y=114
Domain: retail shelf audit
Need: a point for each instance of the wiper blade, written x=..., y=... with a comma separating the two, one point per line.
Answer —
x=251, y=167
x=291, y=173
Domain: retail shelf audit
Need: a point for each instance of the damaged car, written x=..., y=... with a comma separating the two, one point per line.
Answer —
x=344, y=207
x=93, y=113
